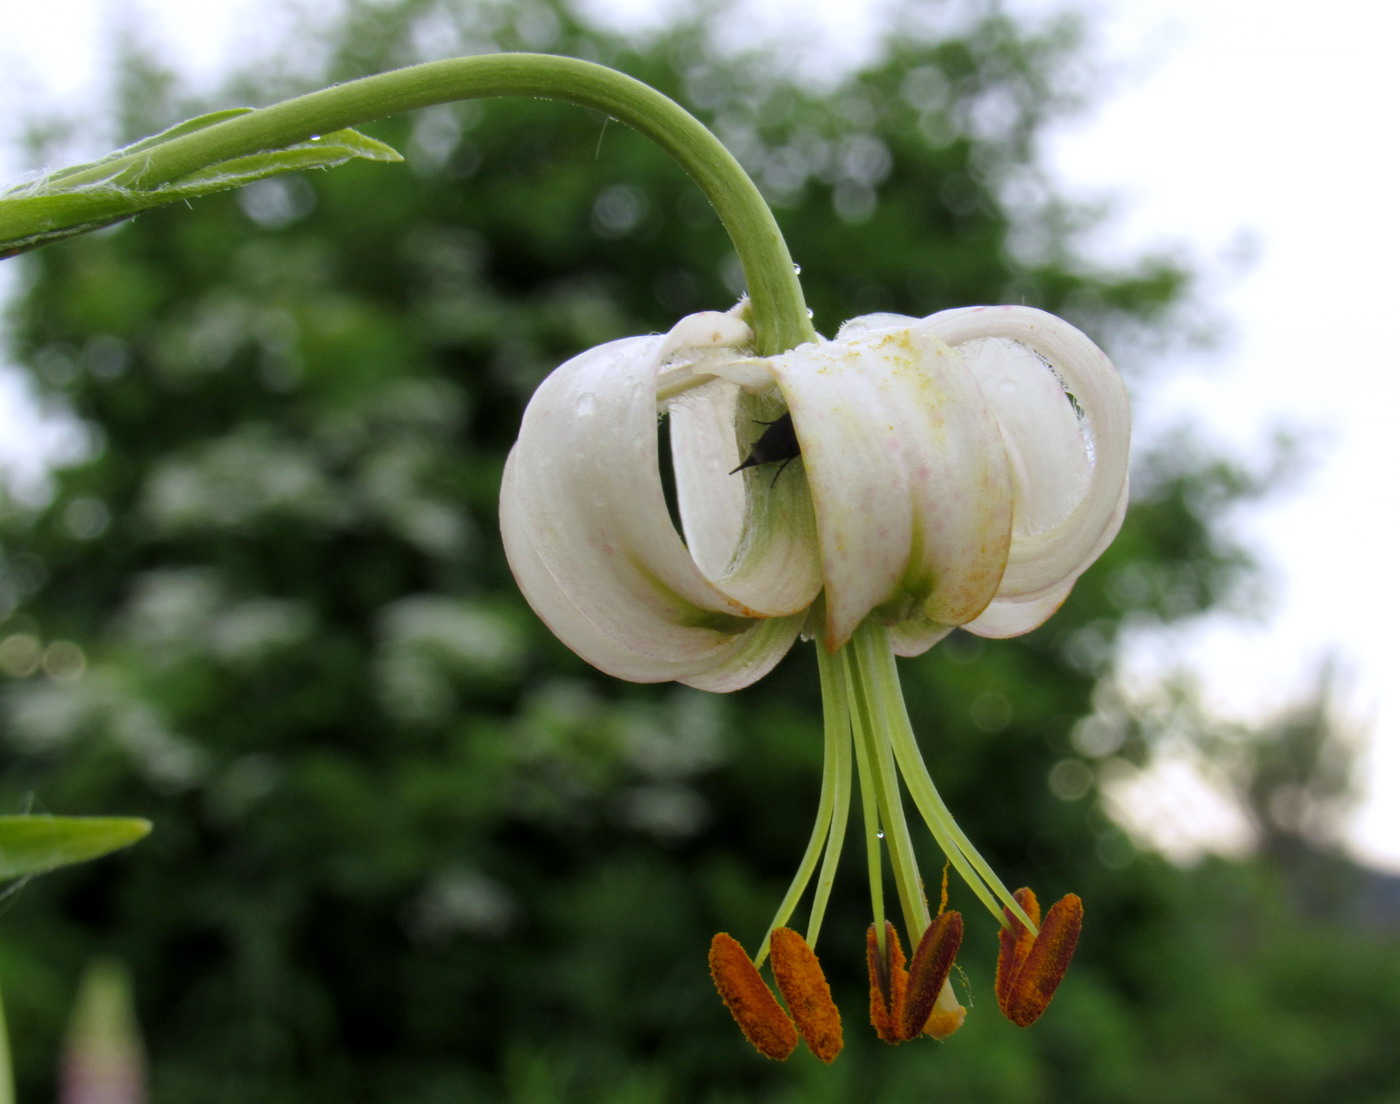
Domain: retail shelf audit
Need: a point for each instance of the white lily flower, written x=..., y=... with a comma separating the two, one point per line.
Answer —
x=962, y=469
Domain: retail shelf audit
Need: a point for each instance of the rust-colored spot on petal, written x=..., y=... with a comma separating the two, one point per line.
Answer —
x=804, y=988
x=1030, y=968
x=928, y=970
x=754, y=1008
x=888, y=981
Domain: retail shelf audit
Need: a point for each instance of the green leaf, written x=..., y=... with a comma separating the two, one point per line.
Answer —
x=49, y=209
x=179, y=130
x=33, y=844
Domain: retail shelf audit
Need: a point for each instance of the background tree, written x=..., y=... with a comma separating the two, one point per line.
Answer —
x=408, y=847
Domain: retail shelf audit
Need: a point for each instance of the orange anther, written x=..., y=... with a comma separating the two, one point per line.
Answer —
x=1030, y=968
x=749, y=1000
x=928, y=971
x=1016, y=941
x=804, y=988
x=888, y=982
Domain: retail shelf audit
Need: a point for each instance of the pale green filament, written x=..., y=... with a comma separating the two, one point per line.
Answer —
x=833, y=806
x=876, y=660
x=864, y=711
x=868, y=727
x=870, y=810
x=838, y=765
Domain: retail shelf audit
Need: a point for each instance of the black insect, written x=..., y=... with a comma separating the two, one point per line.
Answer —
x=777, y=442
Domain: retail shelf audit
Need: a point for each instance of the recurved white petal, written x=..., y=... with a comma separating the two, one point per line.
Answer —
x=914, y=638
x=752, y=533
x=704, y=451
x=1069, y=458
x=908, y=478
x=872, y=323
x=720, y=663
x=1007, y=617
x=590, y=539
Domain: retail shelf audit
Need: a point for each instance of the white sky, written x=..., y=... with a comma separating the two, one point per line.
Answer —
x=1223, y=126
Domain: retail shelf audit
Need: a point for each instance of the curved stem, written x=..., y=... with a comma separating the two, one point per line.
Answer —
x=779, y=312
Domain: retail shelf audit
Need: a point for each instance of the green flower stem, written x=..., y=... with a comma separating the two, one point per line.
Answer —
x=779, y=312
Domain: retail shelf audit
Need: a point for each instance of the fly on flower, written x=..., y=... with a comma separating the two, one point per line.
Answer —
x=776, y=443
x=958, y=470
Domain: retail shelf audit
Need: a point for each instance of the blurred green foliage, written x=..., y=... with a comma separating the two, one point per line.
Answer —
x=410, y=848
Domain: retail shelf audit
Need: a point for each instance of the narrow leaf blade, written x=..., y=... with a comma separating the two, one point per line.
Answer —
x=41, y=212
x=34, y=844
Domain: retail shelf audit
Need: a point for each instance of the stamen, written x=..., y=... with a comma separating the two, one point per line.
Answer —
x=1031, y=967
x=928, y=972
x=804, y=988
x=888, y=983
x=754, y=1008
x=1016, y=942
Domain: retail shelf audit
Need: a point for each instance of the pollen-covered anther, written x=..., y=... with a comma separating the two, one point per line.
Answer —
x=1030, y=967
x=803, y=985
x=889, y=983
x=928, y=973
x=754, y=1008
